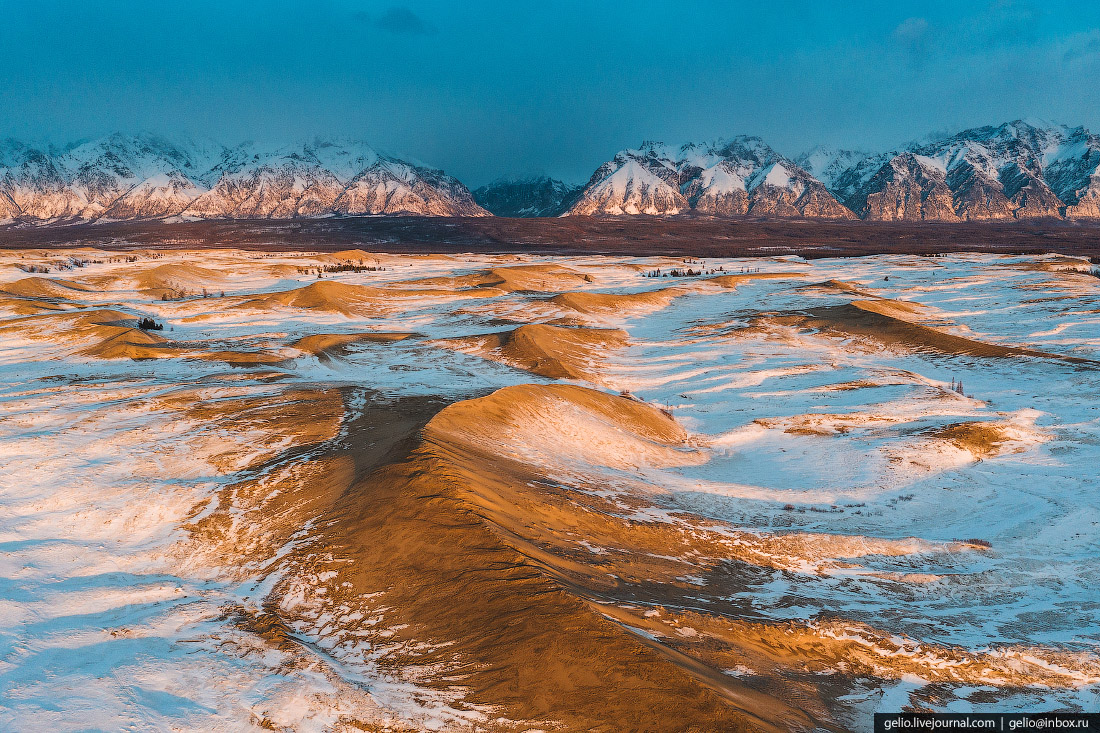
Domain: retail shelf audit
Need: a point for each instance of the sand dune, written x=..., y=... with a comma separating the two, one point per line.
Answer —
x=981, y=439
x=330, y=344
x=346, y=299
x=355, y=255
x=254, y=518
x=471, y=560
x=131, y=343
x=175, y=280
x=104, y=333
x=279, y=271
x=738, y=279
x=519, y=278
x=605, y=304
x=239, y=358
x=100, y=332
x=34, y=295
x=573, y=424
x=823, y=647
x=841, y=286
x=477, y=599
x=546, y=350
x=30, y=306
x=323, y=295
x=536, y=278
x=894, y=323
x=254, y=426
x=987, y=438
x=42, y=287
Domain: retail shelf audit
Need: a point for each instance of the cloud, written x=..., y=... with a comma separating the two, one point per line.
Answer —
x=402, y=20
x=911, y=31
x=1081, y=46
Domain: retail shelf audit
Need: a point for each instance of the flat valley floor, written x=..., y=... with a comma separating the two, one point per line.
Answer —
x=353, y=491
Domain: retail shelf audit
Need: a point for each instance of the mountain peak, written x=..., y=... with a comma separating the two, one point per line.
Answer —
x=734, y=176
x=526, y=196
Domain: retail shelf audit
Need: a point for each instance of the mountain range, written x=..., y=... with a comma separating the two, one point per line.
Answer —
x=728, y=178
x=151, y=177
x=526, y=197
x=1017, y=170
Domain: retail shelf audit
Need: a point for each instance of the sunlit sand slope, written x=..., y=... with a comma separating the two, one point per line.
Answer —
x=444, y=552
x=546, y=350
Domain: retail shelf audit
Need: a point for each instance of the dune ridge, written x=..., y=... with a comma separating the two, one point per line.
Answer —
x=347, y=299
x=609, y=304
x=434, y=549
x=326, y=345
x=106, y=333
x=43, y=287
x=550, y=351
x=734, y=280
x=536, y=278
x=899, y=324
x=98, y=332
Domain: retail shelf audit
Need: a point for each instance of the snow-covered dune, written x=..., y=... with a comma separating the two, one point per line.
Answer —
x=352, y=490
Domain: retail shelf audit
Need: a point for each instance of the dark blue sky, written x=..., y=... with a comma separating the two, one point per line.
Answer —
x=488, y=88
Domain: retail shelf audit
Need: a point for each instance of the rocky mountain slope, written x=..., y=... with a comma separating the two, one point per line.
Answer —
x=526, y=197
x=152, y=177
x=734, y=177
x=826, y=164
x=1018, y=170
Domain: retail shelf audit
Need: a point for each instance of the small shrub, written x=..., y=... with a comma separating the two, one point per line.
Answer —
x=148, y=324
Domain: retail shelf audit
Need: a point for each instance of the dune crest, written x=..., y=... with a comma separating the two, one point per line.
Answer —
x=479, y=598
x=550, y=351
x=896, y=324
x=864, y=651
x=537, y=278
x=43, y=287
x=174, y=280
x=326, y=345
x=105, y=333
x=737, y=279
x=100, y=332
x=609, y=304
x=323, y=295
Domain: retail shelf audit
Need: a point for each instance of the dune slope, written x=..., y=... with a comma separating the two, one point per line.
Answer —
x=439, y=550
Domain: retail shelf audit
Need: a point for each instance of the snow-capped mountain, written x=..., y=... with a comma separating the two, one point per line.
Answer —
x=150, y=177
x=739, y=176
x=526, y=197
x=825, y=163
x=1017, y=170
